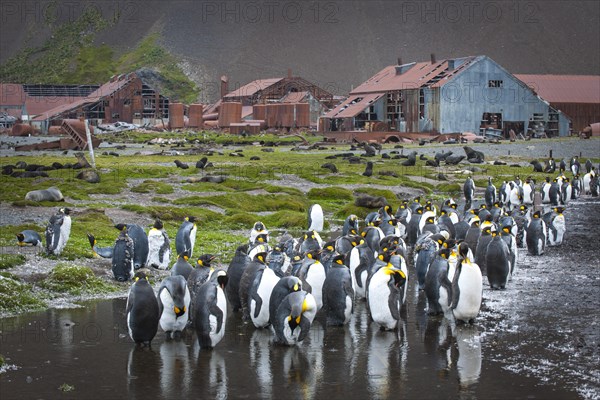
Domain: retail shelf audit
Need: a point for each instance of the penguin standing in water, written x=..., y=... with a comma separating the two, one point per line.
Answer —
x=315, y=218
x=467, y=287
x=142, y=310
x=257, y=264
x=438, y=288
x=497, y=262
x=384, y=296
x=182, y=267
x=210, y=310
x=199, y=276
x=159, y=247
x=294, y=317
x=338, y=295
x=360, y=259
x=140, y=242
x=278, y=261
x=556, y=226
x=425, y=251
x=29, y=237
x=58, y=231
x=536, y=235
x=285, y=286
x=173, y=303
x=313, y=274
x=235, y=271
x=186, y=236
x=122, y=257
x=473, y=233
x=260, y=295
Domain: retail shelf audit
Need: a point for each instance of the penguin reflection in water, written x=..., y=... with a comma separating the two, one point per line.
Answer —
x=174, y=303
x=142, y=310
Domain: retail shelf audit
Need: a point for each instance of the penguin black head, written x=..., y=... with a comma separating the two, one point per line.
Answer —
x=259, y=226
x=438, y=238
x=463, y=249
x=449, y=244
x=430, y=220
x=65, y=210
x=140, y=275
x=191, y=219
x=419, y=210
x=329, y=246
x=537, y=214
x=339, y=259
x=261, y=257
x=261, y=238
x=185, y=255
x=91, y=239
x=398, y=276
x=417, y=199
x=559, y=210
x=221, y=277
x=386, y=255
x=314, y=255
x=121, y=227
x=444, y=252
x=205, y=259
x=158, y=224
x=20, y=237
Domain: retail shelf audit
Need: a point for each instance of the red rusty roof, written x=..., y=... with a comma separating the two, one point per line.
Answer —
x=414, y=75
x=354, y=105
x=564, y=88
x=105, y=90
x=253, y=87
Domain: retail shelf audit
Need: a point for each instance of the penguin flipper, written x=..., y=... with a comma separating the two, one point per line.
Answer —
x=218, y=314
x=446, y=284
x=394, y=302
x=304, y=328
x=455, y=289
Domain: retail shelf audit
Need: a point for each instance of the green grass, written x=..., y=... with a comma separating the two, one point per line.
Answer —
x=17, y=297
x=153, y=186
x=11, y=260
x=76, y=280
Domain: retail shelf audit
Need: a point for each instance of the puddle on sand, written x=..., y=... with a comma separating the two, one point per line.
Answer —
x=89, y=349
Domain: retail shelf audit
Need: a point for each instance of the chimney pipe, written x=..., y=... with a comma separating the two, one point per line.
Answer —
x=289, y=72
x=433, y=58
x=224, y=85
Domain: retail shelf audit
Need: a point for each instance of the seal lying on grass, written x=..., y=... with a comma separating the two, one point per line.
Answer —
x=50, y=194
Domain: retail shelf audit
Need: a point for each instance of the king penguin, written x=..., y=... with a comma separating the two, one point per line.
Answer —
x=182, y=267
x=313, y=273
x=29, y=237
x=173, y=303
x=159, y=247
x=186, y=236
x=258, y=229
x=490, y=193
x=497, y=262
x=58, y=231
x=284, y=286
x=140, y=243
x=235, y=271
x=536, y=235
x=338, y=295
x=199, y=275
x=294, y=317
x=467, y=287
x=260, y=295
x=468, y=191
x=210, y=310
x=142, y=310
x=437, y=286
x=122, y=257
x=556, y=226
x=315, y=218
x=257, y=264
x=384, y=296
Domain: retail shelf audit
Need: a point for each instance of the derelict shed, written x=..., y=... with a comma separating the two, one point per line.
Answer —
x=577, y=96
x=469, y=94
x=125, y=98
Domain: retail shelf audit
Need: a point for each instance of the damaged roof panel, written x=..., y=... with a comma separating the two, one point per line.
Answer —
x=252, y=88
x=353, y=105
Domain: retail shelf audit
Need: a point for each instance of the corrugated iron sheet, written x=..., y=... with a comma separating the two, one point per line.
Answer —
x=351, y=107
x=295, y=97
x=421, y=74
x=564, y=88
x=251, y=88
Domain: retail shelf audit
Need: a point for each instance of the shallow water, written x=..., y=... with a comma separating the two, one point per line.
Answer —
x=427, y=357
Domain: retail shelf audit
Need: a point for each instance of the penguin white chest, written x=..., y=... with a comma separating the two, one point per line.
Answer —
x=169, y=321
x=470, y=293
x=315, y=278
x=216, y=334
x=378, y=299
x=264, y=290
x=65, y=231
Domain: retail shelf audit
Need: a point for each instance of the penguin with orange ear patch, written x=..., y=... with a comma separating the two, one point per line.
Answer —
x=142, y=310
x=173, y=303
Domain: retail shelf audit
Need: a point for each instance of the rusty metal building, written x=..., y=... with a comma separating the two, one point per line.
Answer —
x=124, y=98
x=283, y=102
x=468, y=94
x=577, y=96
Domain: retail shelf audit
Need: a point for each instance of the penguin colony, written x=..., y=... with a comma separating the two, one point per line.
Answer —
x=286, y=286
